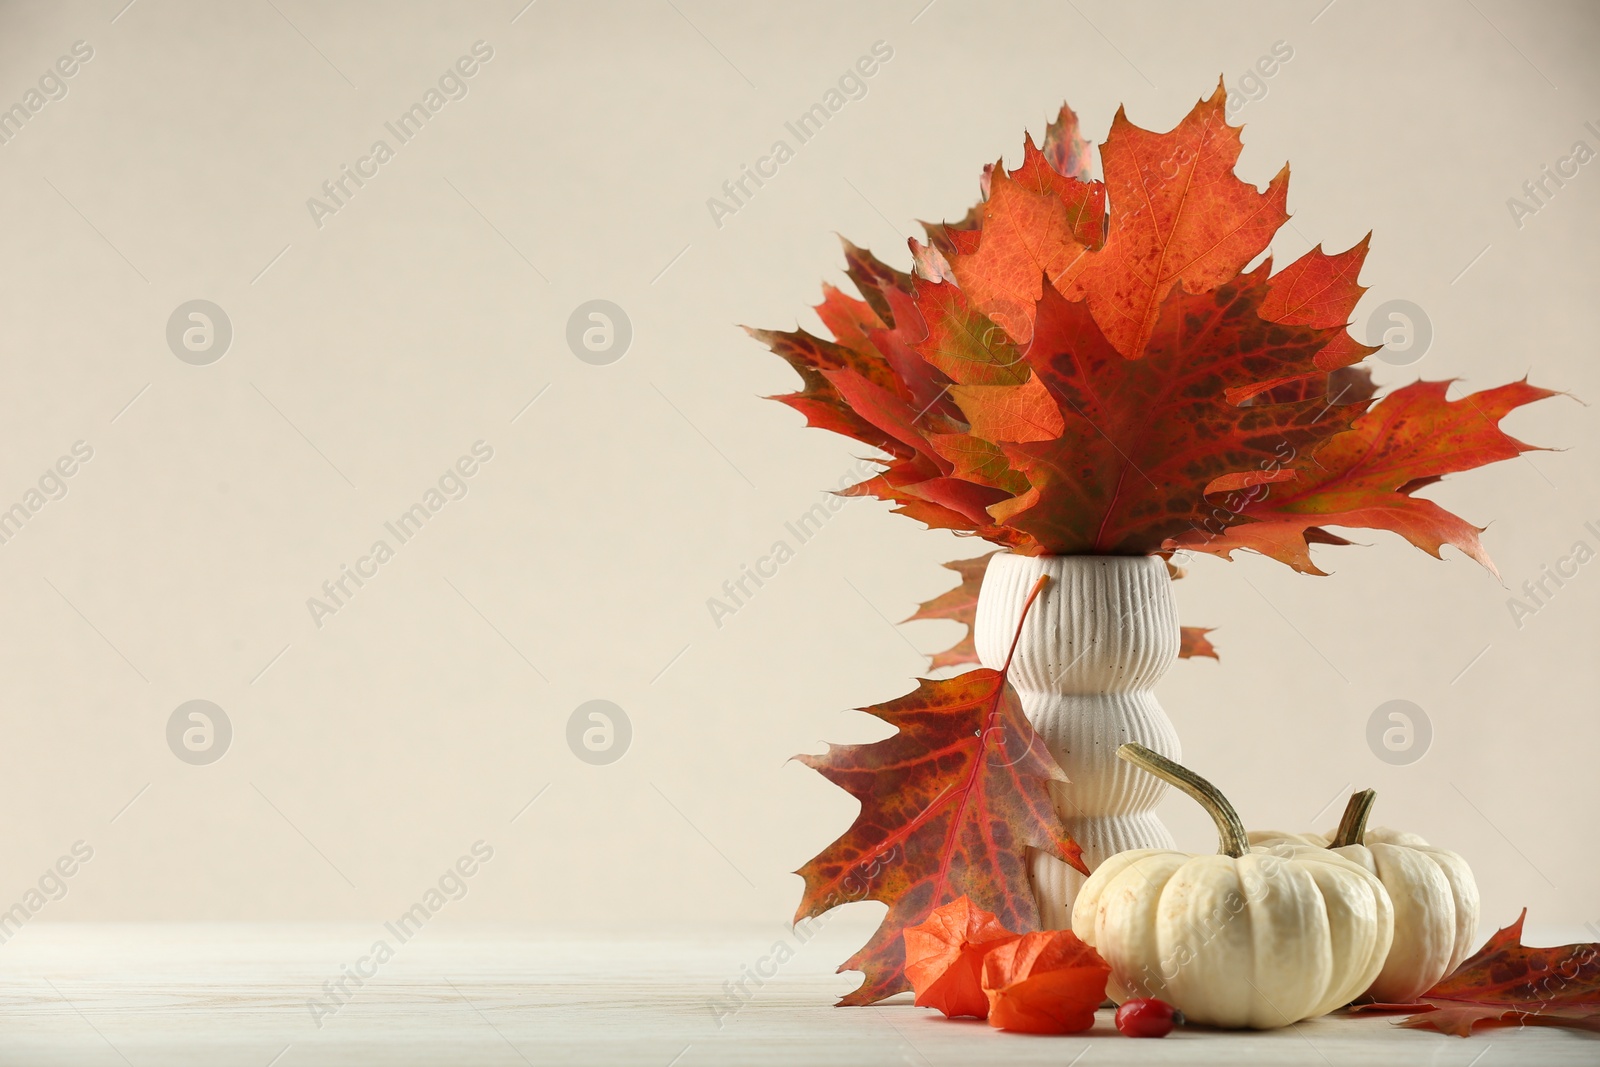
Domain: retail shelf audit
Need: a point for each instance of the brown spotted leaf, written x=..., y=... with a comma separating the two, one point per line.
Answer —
x=1509, y=983
x=1145, y=439
x=951, y=804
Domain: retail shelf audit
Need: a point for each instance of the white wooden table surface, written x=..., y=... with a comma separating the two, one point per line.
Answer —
x=236, y=994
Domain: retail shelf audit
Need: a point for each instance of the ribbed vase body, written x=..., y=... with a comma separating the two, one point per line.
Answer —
x=1095, y=643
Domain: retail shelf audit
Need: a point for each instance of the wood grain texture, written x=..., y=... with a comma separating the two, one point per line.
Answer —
x=234, y=995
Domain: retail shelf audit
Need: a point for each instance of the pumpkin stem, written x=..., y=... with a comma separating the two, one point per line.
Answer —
x=1353, y=826
x=1230, y=831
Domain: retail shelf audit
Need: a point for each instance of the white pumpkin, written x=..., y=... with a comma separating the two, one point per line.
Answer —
x=1434, y=894
x=1250, y=938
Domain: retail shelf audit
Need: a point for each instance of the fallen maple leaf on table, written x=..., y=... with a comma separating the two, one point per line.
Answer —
x=945, y=954
x=961, y=605
x=1087, y=367
x=950, y=805
x=1044, y=983
x=1508, y=982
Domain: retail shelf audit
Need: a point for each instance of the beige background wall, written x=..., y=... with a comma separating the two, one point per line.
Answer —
x=371, y=352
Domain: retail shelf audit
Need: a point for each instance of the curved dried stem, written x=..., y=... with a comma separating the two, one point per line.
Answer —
x=1231, y=837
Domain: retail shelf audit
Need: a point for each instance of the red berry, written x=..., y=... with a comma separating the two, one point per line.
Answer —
x=1148, y=1017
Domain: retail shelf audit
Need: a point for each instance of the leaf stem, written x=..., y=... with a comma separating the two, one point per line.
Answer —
x=1231, y=836
x=1353, y=826
x=1044, y=579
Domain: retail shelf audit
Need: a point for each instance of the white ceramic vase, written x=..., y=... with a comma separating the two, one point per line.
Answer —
x=1095, y=643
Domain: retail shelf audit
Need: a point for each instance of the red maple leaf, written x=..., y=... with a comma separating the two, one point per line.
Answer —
x=1365, y=478
x=1144, y=439
x=1048, y=982
x=1088, y=367
x=1507, y=982
x=950, y=805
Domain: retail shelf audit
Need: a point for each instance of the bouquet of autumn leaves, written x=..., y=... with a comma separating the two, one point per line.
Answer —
x=1083, y=366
